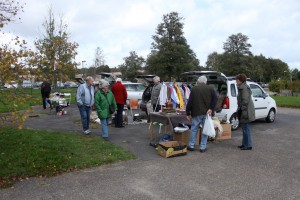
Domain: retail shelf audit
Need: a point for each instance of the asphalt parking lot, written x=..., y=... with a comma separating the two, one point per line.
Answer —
x=270, y=171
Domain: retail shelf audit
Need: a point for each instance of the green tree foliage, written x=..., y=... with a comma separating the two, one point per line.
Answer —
x=237, y=44
x=171, y=55
x=56, y=53
x=8, y=11
x=131, y=66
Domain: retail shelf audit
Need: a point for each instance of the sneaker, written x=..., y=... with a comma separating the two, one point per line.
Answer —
x=190, y=148
x=87, y=132
x=203, y=150
x=105, y=138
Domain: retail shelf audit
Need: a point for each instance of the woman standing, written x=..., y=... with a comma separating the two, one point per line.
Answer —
x=105, y=102
x=246, y=111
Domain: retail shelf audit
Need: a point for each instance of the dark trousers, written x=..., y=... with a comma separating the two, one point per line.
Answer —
x=45, y=95
x=156, y=108
x=119, y=115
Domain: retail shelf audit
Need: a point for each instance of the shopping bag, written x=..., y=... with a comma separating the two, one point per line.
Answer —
x=209, y=128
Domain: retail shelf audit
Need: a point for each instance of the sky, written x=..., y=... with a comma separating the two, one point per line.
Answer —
x=121, y=26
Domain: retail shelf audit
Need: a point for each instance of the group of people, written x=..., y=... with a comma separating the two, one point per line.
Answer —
x=201, y=103
x=107, y=103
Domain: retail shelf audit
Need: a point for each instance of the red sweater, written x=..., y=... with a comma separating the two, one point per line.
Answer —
x=120, y=93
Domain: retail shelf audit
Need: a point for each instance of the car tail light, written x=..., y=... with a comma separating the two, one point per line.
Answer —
x=226, y=103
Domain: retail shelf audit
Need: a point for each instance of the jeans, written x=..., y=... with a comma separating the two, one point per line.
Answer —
x=85, y=112
x=247, y=140
x=196, y=121
x=45, y=95
x=119, y=115
x=104, y=126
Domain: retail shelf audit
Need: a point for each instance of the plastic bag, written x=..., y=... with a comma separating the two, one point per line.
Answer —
x=209, y=128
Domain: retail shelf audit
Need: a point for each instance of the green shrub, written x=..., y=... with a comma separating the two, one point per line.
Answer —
x=276, y=86
x=294, y=86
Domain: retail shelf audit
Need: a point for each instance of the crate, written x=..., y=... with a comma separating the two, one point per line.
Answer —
x=171, y=149
x=185, y=137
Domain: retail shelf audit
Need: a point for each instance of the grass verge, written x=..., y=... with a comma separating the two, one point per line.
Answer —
x=31, y=153
x=287, y=101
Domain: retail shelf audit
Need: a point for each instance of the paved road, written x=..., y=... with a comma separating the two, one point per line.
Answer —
x=270, y=171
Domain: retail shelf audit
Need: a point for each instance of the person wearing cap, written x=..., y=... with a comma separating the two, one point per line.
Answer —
x=105, y=107
x=120, y=94
x=85, y=100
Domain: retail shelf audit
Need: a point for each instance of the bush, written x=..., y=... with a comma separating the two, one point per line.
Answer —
x=294, y=86
x=276, y=86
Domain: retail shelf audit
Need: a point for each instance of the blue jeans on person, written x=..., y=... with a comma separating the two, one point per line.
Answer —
x=85, y=112
x=247, y=140
x=196, y=121
x=104, y=127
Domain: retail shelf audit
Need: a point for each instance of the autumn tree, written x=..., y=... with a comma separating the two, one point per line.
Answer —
x=171, y=55
x=15, y=61
x=56, y=53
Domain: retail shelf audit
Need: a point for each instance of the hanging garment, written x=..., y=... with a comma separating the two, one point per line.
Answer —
x=174, y=97
x=163, y=95
x=180, y=97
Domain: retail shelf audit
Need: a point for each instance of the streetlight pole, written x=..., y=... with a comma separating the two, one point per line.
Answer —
x=82, y=66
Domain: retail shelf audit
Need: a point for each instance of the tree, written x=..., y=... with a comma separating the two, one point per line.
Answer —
x=237, y=44
x=15, y=61
x=99, y=58
x=131, y=66
x=171, y=55
x=56, y=53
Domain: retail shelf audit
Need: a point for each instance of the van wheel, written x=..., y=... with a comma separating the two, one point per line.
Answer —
x=234, y=121
x=271, y=116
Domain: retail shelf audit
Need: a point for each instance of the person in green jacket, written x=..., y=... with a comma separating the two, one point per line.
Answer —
x=246, y=110
x=104, y=99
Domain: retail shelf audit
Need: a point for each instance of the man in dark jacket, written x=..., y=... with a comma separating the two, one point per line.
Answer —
x=201, y=103
x=120, y=94
x=45, y=90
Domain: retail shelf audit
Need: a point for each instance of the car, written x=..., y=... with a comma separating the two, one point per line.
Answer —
x=37, y=84
x=226, y=89
x=26, y=84
x=59, y=84
x=70, y=84
x=12, y=84
x=134, y=91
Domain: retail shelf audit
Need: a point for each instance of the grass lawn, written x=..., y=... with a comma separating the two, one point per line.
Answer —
x=35, y=97
x=286, y=101
x=31, y=153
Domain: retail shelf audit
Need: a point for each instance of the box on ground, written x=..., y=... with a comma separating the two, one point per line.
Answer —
x=226, y=132
x=171, y=149
x=185, y=137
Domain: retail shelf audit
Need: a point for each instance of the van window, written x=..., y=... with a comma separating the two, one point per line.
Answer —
x=256, y=91
x=233, y=90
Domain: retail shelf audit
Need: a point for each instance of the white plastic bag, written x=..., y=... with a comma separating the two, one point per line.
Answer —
x=209, y=128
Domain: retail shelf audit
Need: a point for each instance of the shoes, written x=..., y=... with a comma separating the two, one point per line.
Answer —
x=190, y=148
x=105, y=138
x=246, y=148
x=87, y=132
x=203, y=150
x=119, y=126
x=241, y=146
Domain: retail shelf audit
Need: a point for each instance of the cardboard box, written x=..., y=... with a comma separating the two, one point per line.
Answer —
x=226, y=132
x=171, y=149
x=185, y=137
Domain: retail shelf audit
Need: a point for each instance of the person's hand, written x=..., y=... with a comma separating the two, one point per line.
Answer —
x=209, y=112
x=189, y=117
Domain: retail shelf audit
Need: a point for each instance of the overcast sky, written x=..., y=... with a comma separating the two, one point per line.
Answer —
x=121, y=26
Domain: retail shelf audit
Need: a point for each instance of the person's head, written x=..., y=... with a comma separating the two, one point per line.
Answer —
x=202, y=79
x=89, y=80
x=104, y=85
x=240, y=78
x=119, y=80
x=156, y=79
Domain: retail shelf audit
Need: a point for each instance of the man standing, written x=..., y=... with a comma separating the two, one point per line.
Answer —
x=202, y=102
x=45, y=90
x=155, y=94
x=85, y=100
x=120, y=94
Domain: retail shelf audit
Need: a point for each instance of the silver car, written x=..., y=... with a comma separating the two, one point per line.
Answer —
x=134, y=91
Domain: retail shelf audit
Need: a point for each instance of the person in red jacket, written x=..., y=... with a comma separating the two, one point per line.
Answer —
x=120, y=93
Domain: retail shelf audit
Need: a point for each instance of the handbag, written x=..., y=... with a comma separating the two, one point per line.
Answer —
x=111, y=107
x=209, y=128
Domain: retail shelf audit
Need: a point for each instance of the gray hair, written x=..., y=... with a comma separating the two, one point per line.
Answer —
x=156, y=78
x=89, y=78
x=103, y=83
x=118, y=80
x=202, y=79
